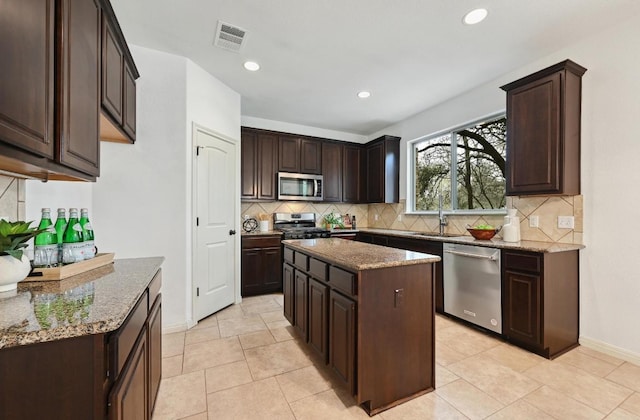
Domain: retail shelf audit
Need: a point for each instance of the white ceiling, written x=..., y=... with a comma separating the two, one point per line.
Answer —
x=317, y=54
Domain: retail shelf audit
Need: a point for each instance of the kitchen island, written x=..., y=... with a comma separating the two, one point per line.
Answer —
x=86, y=347
x=367, y=311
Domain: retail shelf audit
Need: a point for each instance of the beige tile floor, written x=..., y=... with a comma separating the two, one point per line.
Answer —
x=245, y=363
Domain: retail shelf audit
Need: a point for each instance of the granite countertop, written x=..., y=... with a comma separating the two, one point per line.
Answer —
x=262, y=233
x=94, y=302
x=358, y=256
x=534, y=246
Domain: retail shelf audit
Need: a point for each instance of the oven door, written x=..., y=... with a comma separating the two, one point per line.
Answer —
x=301, y=187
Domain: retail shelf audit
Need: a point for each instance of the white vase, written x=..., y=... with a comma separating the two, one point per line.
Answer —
x=511, y=227
x=12, y=271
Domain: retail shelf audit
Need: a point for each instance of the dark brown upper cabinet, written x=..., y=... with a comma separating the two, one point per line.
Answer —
x=352, y=173
x=543, y=131
x=79, y=86
x=300, y=155
x=310, y=156
x=259, y=165
x=27, y=45
x=119, y=75
x=129, y=105
x=332, y=171
x=51, y=88
x=289, y=154
x=383, y=172
x=112, y=77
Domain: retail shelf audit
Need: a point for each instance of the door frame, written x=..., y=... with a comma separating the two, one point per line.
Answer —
x=195, y=128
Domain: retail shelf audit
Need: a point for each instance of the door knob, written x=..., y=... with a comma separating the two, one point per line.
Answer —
x=232, y=232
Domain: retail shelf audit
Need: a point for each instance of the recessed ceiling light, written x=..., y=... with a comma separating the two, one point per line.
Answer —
x=251, y=66
x=364, y=94
x=475, y=16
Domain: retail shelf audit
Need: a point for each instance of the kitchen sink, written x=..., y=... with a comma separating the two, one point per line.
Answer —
x=437, y=234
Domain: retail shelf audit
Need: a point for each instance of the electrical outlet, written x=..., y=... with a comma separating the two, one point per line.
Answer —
x=399, y=218
x=565, y=222
x=375, y=217
x=246, y=217
x=533, y=221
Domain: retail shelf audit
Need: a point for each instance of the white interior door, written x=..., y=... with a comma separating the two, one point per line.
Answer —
x=215, y=238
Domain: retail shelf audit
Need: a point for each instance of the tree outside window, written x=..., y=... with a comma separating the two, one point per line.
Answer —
x=474, y=179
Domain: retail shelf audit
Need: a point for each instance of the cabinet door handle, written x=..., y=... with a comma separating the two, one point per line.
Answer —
x=232, y=232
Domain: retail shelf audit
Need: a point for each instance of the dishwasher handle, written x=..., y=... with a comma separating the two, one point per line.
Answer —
x=470, y=255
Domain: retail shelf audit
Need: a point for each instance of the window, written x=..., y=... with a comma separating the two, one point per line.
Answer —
x=473, y=181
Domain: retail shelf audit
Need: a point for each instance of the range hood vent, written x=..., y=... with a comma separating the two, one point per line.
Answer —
x=229, y=37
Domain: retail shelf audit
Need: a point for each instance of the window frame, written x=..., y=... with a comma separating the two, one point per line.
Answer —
x=410, y=205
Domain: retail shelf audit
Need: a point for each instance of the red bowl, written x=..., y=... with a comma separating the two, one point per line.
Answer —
x=483, y=234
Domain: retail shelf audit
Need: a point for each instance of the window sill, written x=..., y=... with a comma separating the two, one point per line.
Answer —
x=496, y=212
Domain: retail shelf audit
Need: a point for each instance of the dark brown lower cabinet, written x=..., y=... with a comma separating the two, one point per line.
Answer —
x=154, y=331
x=374, y=327
x=68, y=376
x=261, y=265
x=318, y=318
x=129, y=397
x=540, y=299
x=301, y=282
x=288, y=282
x=342, y=332
x=344, y=235
x=420, y=245
x=522, y=294
x=114, y=375
x=540, y=293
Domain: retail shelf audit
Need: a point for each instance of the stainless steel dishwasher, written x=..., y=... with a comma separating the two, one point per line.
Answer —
x=472, y=286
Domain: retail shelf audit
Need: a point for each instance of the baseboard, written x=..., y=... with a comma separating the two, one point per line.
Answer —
x=610, y=350
x=175, y=328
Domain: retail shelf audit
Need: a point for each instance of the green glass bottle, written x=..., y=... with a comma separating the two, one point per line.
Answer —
x=61, y=225
x=46, y=243
x=87, y=235
x=72, y=246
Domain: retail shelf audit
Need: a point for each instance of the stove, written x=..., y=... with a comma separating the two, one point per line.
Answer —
x=298, y=226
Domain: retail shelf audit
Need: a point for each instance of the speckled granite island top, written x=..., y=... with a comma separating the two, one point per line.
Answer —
x=496, y=242
x=97, y=301
x=358, y=256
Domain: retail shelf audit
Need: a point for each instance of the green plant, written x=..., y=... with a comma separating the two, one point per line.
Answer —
x=333, y=220
x=14, y=237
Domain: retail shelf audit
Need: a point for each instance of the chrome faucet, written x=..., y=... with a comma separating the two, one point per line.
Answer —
x=442, y=219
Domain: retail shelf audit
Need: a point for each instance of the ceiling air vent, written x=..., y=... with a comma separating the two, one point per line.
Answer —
x=229, y=37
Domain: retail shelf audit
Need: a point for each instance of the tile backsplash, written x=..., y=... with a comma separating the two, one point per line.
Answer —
x=391, y=216
x=547, y=208
x=12, y=198
x=320, y=209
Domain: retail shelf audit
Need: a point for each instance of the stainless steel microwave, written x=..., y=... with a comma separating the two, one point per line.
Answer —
x=301, y=187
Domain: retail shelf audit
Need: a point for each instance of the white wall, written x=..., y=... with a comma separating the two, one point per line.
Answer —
x=143, y=197
x=56, y=194
x=213, y=105
x=301, y=129
x=141, y=204
x=609, y=286
x=139, y=199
